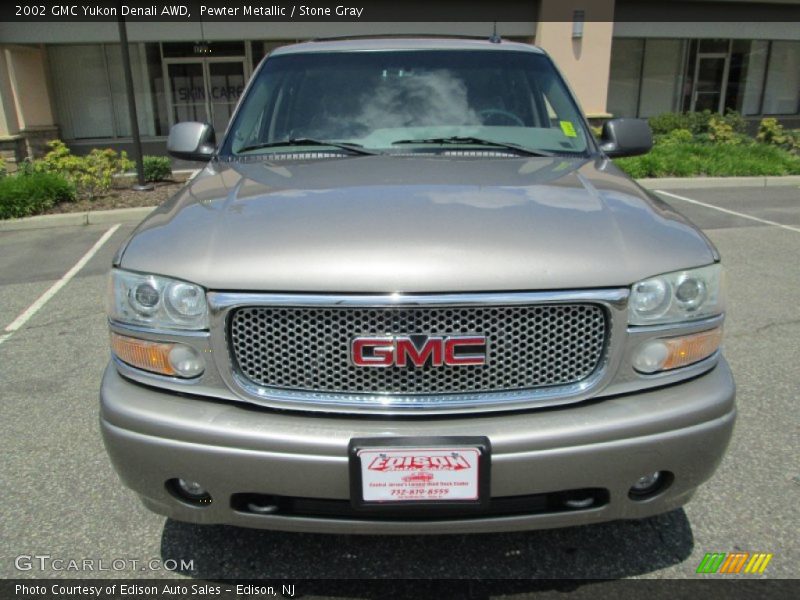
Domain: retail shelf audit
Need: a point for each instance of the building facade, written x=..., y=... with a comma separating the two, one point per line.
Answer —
x=621, y=57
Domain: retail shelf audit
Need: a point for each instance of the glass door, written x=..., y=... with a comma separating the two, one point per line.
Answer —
x=204, y=90
x=186, y=91
x=711, y=70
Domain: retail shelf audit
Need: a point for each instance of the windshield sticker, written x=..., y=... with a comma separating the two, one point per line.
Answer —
x=568, y=128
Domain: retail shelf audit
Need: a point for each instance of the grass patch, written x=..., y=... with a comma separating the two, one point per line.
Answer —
x=711, y=160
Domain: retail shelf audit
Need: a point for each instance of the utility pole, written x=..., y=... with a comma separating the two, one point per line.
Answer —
x=141, y=185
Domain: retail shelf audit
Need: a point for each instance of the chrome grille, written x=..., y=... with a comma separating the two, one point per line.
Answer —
x=307, y=348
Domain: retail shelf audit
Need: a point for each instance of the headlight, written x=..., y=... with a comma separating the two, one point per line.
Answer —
x=155, y=301
x=679, y=296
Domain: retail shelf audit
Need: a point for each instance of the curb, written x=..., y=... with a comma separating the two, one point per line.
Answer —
x=697, y=183
x=92, y=217
x=126, y=215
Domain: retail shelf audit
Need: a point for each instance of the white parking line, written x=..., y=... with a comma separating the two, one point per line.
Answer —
x=728, y=211
x=53, y=290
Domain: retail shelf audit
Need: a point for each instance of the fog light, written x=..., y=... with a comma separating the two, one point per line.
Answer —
x=191, y=491
x=186, y=361
x=192, y=488
x=646, y=483
x=651, y=357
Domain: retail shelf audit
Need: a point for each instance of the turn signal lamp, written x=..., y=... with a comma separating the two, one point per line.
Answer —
x=664, y=354
x=157, y=357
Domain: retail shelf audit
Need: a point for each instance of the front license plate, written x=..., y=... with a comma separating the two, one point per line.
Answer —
x=420, y=473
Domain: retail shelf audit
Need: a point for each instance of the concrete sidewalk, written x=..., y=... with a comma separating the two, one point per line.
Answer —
x=126, y=215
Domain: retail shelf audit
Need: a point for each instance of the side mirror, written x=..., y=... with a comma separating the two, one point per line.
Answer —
x=192, y=141
x=626, y=137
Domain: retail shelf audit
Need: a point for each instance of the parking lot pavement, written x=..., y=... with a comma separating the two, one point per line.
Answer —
x=60, y=496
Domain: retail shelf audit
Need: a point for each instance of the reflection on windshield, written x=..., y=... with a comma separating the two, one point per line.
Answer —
x=433, y=98
x=374, y=99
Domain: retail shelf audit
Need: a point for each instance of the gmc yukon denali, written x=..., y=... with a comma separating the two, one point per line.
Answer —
x=409, y=292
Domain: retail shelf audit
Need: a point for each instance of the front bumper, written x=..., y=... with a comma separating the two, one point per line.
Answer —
x=153, y=436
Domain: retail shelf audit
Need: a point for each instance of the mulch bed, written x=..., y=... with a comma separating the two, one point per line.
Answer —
x=122, y=196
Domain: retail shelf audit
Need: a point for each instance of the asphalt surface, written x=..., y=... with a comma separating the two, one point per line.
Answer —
x=60, y=497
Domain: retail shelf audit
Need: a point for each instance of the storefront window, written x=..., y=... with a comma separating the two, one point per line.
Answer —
x=746, y=76
x=645, y=77
x=782, y=91
x=626, y=68
x=81, y=90
x=90, y=93
x=661, y=77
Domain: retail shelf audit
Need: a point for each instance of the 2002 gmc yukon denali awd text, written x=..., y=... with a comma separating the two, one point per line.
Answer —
x=410, y=293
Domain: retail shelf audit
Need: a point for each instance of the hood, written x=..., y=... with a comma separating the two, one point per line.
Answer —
x=414, y=224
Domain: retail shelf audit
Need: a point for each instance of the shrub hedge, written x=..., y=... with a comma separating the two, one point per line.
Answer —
x=156, y=168
x=91, y=175
x=695, y=122
x=31, y=193
x=712, y=160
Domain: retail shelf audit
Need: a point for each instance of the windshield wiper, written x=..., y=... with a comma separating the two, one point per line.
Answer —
x=304, y=141
x=478, y=142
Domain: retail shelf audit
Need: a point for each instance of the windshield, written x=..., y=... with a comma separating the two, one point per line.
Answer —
x=401, y=101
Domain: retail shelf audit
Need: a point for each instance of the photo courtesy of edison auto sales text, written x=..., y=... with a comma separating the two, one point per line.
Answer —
x=137, y=590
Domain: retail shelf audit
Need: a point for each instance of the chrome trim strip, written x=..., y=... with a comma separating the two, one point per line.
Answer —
x=614, y=301
x=143, y=330
x=218, y=301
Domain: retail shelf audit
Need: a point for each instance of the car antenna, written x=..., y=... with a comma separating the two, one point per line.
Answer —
x=495, y=39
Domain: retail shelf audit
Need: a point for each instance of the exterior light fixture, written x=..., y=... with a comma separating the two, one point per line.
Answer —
x=578, y=17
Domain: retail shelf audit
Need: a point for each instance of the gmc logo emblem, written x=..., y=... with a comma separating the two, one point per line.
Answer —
x=401, y=351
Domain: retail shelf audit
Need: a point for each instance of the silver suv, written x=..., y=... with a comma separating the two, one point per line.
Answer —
x=410, y=293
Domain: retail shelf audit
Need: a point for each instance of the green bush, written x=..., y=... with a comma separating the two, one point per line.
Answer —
x=735, y=120
x=720, y=131
x=26, y=194
x=676, y=136
x=91, y=175
x=793, y=141
x=772, y=132
x=696, y=122
x=2, y=167
x=156, y=168
x=687, y=160
x=666, y=123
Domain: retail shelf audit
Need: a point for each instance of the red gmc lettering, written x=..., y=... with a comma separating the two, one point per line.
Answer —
x=405, y=349
x=465, y=359
x=401, y=351
x=382, y=352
